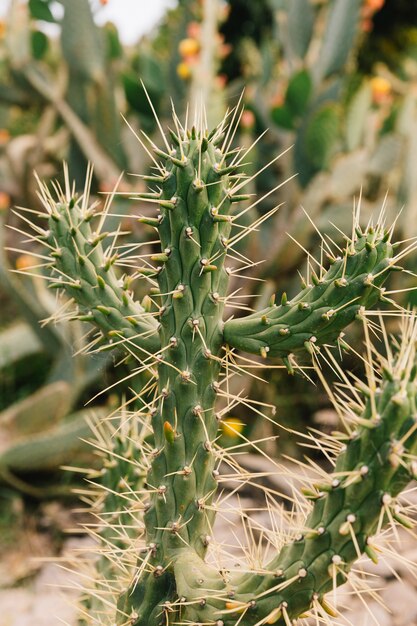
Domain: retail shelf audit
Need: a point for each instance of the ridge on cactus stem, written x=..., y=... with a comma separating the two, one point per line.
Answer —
x=162, y=480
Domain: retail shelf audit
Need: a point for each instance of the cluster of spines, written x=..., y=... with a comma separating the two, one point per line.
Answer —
x=115, y=498
x=320, y=312
x=80, y=266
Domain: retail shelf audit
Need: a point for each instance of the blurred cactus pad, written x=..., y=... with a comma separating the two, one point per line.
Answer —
x=156, y=498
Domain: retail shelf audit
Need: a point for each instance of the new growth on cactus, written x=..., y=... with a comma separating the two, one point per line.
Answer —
x=161, y=482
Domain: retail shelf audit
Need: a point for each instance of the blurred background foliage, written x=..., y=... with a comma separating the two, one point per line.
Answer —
x=335, y=84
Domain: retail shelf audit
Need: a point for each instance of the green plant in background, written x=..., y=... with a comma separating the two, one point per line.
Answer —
x=42, y=420
x=352, y=134
x=58, y=97
x=298, y=52
x=168, y=569
x=65, y=94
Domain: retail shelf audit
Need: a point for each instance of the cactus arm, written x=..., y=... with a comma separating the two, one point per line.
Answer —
x=49, y=449
x=82, y=41
x=122, y=474
x=81, y=268
x=319, y=313
x=185, y=424
x=340, y=33
x=356, y=502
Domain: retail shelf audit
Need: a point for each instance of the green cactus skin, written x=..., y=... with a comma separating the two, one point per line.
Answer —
x=88, y=276
x=173, y=584
x=318, y=314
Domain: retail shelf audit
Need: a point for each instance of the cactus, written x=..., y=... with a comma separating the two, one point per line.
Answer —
x=122, y=474
x=320, y=40
x=181, y=335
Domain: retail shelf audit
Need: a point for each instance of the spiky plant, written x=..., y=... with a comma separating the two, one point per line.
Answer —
x=168, y=569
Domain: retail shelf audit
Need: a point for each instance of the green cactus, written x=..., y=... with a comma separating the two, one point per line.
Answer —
x=116, y=522
x=181, y=337
x=322, y=39
x=91, y=84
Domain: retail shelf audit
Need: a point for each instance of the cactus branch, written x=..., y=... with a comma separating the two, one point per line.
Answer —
x=82, y=267
x=349, y=508
x=319, y=313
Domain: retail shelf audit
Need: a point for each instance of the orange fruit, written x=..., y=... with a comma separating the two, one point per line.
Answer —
x=188, y=47
x=247, y=120
x=5, y=201
x=25, y=262
x=184, y=70
x=375, y=5
x=232, y=426
x=381, y=88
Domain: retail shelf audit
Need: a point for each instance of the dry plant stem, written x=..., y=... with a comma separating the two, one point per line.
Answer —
x=205, y=72
x=196, y=182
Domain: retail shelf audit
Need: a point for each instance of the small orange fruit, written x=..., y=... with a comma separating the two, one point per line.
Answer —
x=248, y=119
x=193, y=30
x=375, y=5
x=25, y=262
x=189, y=47
x=381, y=88
x=184, y=71
x=5, y=201
x=4, y=136
x=232, y=426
